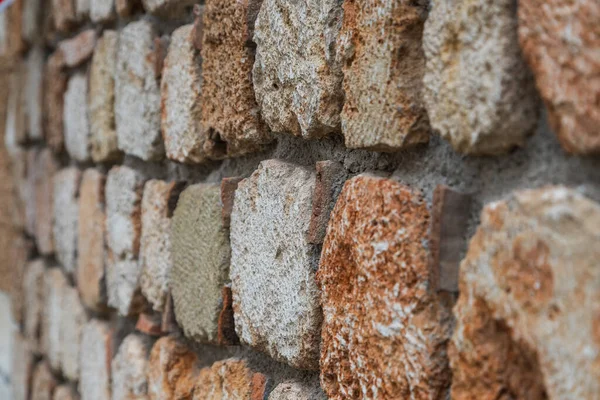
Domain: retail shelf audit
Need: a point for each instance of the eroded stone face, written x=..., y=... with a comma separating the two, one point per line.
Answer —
x=559, y=39
x=383, y=65
x=384, y=329
x=66, y=213
x=529, y=299
x=297, y=390
x=95, y=361
x=228, y=379
x=76, y=122
x=275, y=296
x=129, y=369
x=297, y=76
x=171, y=370
x=495, y=111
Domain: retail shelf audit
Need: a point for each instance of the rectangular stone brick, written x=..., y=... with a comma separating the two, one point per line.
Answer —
x=55, y=285
x=55, y=86
x=66, y=213
x=34, y=93
x=129, y=368
x=21, y=368
x=171, y=371
x=330, y=179
x=71, y=330
x=76, y=120
x=33, y=291
x=46, y=167
x=64, y=14
x=79, y=48
x=95, y=361
x=102, y=11
x=43, y=383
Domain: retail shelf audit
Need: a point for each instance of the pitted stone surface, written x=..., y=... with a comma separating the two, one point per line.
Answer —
x=46, y=167
x=34, y=97
x=102, y=10
x=95, y=361
x=33, y=291
x=201, y=255
x=297, y=75
x=380, y=48
x=496, y=111
x=76, y=122
x=137, y=93
x=101, y=100
x=228, y=380
x=275, y=296
x=72, y=323
x=560, y=40
x=385, y=330
x=529, y=295
x=230, y=116
x=66, y=212
x=297, y=390
x=181, y=86
x=55, y=285
x=130, y=369
x=171, y=370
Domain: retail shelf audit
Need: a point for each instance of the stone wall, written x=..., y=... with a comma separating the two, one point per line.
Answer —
x=311, y=199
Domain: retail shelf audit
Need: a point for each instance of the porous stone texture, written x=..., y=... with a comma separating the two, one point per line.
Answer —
x=55, y=285
x=78, y=49
x=230, y=117
x=137, y=93
x=66, y=212
x=95, y=361
x=495, y=112
x=43, y=382
x=155, y=241
x=559, y=40
x=63, y=13
x=201, y=254
x=90, y=240
x=55, y=85
x=76, y=122
x=171, y=370
x=21, y=368
x=46, y=167
x=385, y=330
x=228, y=379
x=275, y=296
x=65, y=392
x=33, y=290
x=297, y=390
x=34, y=97
x=167, y=8
x=528, y=295
x=72, y=323
x=101, y=100
x=297, y=75
x=383, y=65
x=102, y=10
x=129, y=369
x=181, y=86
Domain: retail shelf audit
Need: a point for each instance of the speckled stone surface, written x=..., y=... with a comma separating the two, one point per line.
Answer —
x=130, y=367
x=171, y=370
x=76, y=121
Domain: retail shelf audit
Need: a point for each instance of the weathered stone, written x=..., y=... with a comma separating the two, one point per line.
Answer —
x=228, y=188
x=383, y=65
x=34, y=95
x=33, y=290
x=55, y=86
x=167, y=7
x=65, y=392
x=55, y=285
x=230, y=117
x=122, y=285
x=46, y=167
x=137, y=93
x=125, y=8
x=298, y=390
x=78, y=49
x=43, y=382
x=66, y=212
x=129, y=369
x=155, y=243
x=181, y=86
x=228, y=379
x=385, y=329
x=275, y=296
x=22, y=368
x=95, y=361
x=149, y=324
x=76, y=121
x=297, y=76
x=496, y=111
x=72, y=323
x=102, y=10
x=171, y=370
x=30, y=25
x=559, y=39
x=64, y=14
x=101, y=100
x=201, y=254
x=90, y=241
x=529, y=299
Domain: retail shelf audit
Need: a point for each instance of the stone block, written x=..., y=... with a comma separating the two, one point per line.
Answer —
x=22, y=368
x=228, y=379
x=496, y=111
x=230, y=116
x=71, y=331
x=55, y=86
x=20, y=249
x=95, y=361
x=34, y=95
x=171, y=370
x=181, y=86
x=385, y=329
x=43, y=382
x=76, y=119
x=297, y=75
x=383, y=63
x=46, y=167
x=64, y=14
x=33, y=293
x=298, y=390
x=101, y=100
x=66, y=213
x=78, y=49
x=137, y=92
x=55, y=285
x=102, y=11
x=129, y=369
x=275, y=296
x=528, y=300
x=65, y=392
x=123, y=286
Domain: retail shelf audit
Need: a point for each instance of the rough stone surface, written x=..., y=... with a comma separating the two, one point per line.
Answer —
x=137, y=93
x=55, y=85
x=102, y=10
x=495, y=112
x=297, y=75
x=383, y=65
x=34, y=97
x=385, y=330
x=78, y=49
x=101, y=100
x=181, y=86
x=55, y=285
x=43, y=382
x=560, y=40
x=171, y=370
x=66, y=213
x=228, y=379
x=21, y=368
x=155, y=241
x=65, y=392
x=122, y=284
x=275, y=296
x=76, y=121
x=72, y=323
x=230, y=115
x=44, y=190
x=529, y=294
x=33, y=290
x=201, y=254
x=129, y=369
x=64, y=14
x=90, y=240
x=95, y=361
x=297, y=390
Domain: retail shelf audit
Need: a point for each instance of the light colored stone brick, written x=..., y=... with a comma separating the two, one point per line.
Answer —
x=65, y=392
x=34, y=93
x=497, y=110
x=123, y=286
x=79, y=48
x=298, y=390
x=137, y=93
x=102, y=10
x=129, y=369
x=46, y=167
x=385, y=329
x=275, y=296
x=21, y=368
x=71, y=330
x=55, y=285
x=171, y=370
x=529, y=289
x=95, y=361
x=76, y=120
x=55, y=86
x=43, y=382
x=33, y=291
x=66, y=213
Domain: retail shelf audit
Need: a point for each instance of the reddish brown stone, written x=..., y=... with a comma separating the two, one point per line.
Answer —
x=560, y=40
x=55, y=85
x=171, y=370
x=331, y=176
x=228, y=379
x=384, y=329
x=78, y=49
x=259, y=386
x=226, y=335
x=46, y=167
x=228, y=187
x=150, y=324
x=44, y=383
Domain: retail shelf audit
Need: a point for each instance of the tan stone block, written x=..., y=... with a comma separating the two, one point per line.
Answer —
x=33, y=293
x=71, y=331
x=229, y=379
x=171, y=370
x=95, y=361
x=66, y=216
x=44, y=383
x=20, y=248
x=79, y=48
x=55, y=86
x=129, y=369
x=55, y=285
x=31, y=23
x=46, y=167
x=22, y=368
x=65, y=392
x=76, y=120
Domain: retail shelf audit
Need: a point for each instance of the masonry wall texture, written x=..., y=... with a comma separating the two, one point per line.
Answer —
x=317, y=199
